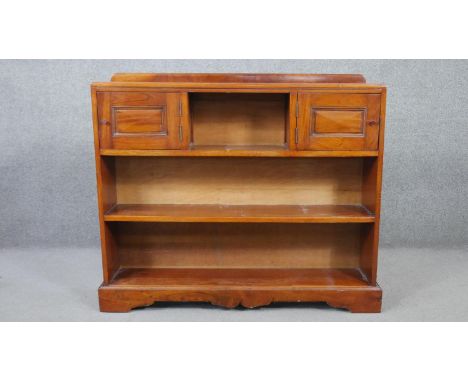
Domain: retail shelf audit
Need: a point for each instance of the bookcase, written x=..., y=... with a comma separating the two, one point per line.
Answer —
x=239, y=189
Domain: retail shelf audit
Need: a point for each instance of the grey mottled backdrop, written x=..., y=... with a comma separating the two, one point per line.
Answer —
x=47, y=174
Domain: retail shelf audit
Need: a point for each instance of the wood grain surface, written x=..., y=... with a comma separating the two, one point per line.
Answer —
x=200, y=177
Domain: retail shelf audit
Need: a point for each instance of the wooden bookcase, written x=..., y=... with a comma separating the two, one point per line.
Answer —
x=239, y=189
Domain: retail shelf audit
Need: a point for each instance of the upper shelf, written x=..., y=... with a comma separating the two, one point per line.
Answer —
x=238, y=78
x=233, y=151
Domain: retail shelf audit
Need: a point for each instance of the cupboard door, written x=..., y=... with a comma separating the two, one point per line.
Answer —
x=142, y=120
x=338, y=121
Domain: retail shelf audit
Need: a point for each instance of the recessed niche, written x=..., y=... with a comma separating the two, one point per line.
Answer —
x=239, y=119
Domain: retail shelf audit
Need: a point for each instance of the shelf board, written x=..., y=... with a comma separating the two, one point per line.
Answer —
x=237, y=151
x=198, y=278
x=239, y=213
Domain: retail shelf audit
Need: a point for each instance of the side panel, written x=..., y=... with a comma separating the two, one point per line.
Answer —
x=106, y=192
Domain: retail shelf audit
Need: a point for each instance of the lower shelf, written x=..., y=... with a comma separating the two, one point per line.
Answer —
x=344, y=288
x=239, y=278
x=239, y=213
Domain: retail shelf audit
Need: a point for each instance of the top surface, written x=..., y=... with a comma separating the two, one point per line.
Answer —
x=239, y=78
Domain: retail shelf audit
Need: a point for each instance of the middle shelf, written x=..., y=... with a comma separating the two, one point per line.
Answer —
x=239, y=213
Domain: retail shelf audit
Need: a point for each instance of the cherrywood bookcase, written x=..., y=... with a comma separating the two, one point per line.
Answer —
x=239, y=189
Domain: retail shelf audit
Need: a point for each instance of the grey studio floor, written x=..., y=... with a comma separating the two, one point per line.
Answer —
x=60, y=285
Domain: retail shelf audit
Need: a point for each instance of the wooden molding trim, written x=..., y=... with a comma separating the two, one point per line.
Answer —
x=238, y=77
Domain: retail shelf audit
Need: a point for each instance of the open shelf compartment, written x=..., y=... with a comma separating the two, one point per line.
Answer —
x=294, y=190
x=239, y=121
x=237, y=245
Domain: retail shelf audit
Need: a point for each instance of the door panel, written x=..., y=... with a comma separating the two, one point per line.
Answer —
x=142, y=120
x=338, y=121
